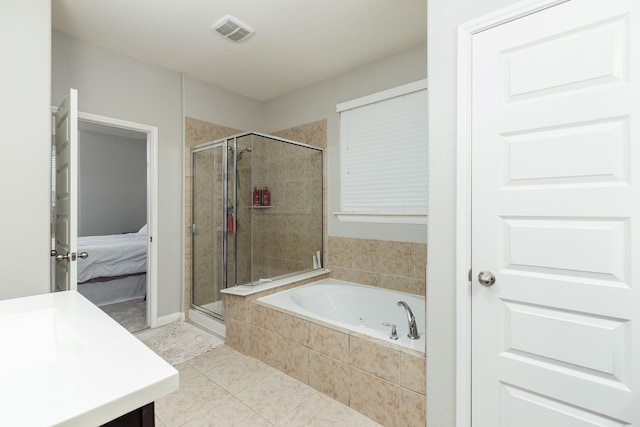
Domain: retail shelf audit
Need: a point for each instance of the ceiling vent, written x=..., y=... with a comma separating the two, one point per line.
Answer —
x=232, y=28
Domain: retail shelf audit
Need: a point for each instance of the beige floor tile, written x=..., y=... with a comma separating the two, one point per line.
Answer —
x=186, y=371
x=276, y=396
x=264, y=396
x=321, y=411
x=193, y=398
x=229, y=413
x=216, y=357
x=237, y=374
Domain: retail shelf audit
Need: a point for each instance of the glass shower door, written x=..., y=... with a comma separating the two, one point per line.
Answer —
x=207, y=230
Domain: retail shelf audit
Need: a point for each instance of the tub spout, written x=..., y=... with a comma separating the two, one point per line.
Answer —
x=413, y=328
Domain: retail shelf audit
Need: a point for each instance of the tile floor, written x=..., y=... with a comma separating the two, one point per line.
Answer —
x=226, y=388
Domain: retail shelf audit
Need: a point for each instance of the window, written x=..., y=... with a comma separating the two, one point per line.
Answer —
x=383, y=153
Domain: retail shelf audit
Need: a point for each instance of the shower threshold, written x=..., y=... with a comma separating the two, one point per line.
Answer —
x=214, y=307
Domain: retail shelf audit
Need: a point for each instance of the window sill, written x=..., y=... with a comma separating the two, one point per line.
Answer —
x=385, y=218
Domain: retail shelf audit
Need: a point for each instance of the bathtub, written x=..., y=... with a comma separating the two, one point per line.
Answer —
x=355, y=307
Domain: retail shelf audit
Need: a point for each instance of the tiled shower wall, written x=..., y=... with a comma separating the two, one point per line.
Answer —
x=286, y=236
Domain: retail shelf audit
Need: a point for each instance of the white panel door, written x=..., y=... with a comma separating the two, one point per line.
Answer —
x=556, y=218
x=66, y=138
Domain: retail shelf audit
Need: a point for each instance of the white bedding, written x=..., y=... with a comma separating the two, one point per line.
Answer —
x=112, y=255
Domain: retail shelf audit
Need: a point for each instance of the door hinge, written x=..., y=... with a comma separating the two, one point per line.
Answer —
x=151, y=239
x=469, y=276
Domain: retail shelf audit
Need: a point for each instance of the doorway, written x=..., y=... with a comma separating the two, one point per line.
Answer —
x=116, y=216
x=112, y=221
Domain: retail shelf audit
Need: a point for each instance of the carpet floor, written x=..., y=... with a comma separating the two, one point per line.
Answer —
x=130, y=314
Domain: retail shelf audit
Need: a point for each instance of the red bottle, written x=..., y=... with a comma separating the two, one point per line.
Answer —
x=256, y=197
x=266, y=197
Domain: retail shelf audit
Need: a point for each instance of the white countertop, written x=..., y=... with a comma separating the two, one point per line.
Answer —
x=63, y=361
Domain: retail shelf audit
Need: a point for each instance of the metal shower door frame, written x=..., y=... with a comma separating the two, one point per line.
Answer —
x=223, y=144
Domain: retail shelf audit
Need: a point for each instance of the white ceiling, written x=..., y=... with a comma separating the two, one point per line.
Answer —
x=296, y=42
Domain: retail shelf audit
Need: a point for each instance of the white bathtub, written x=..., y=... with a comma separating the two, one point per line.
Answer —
x=356, y=307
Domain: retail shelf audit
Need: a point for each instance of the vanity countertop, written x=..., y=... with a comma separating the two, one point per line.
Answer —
x=63, y=361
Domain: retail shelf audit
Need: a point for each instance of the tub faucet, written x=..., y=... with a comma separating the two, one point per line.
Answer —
x=413, y=328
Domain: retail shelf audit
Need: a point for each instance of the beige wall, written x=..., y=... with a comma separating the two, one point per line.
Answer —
x=25, y=116
x=444, y=18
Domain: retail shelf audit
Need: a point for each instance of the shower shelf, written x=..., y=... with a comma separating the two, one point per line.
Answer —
x=260, y=207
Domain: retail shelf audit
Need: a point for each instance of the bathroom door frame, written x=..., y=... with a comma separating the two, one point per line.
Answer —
x=466, y=33
x=152, y=201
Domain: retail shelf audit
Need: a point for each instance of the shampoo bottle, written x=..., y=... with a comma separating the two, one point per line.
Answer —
x=266, y=197
x=229, y=222
x=256, y=197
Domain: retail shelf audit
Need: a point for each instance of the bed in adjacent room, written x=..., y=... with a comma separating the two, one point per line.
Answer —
x=115, y=270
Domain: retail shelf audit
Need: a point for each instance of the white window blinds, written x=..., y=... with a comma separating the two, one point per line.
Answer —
x=384, y=154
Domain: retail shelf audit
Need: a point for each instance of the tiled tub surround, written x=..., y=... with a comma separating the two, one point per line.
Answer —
x=359, y=308
x=398, y=266
x=379, y=379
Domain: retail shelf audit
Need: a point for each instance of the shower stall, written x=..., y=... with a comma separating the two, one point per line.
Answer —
x=257, y=214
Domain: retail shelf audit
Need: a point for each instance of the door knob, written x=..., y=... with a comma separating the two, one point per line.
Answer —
x=486, y=278
x=71, y=256
x=54, y=252
x=61, y=257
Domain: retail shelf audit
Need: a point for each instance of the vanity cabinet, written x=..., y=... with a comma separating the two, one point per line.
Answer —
x=65, y=362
